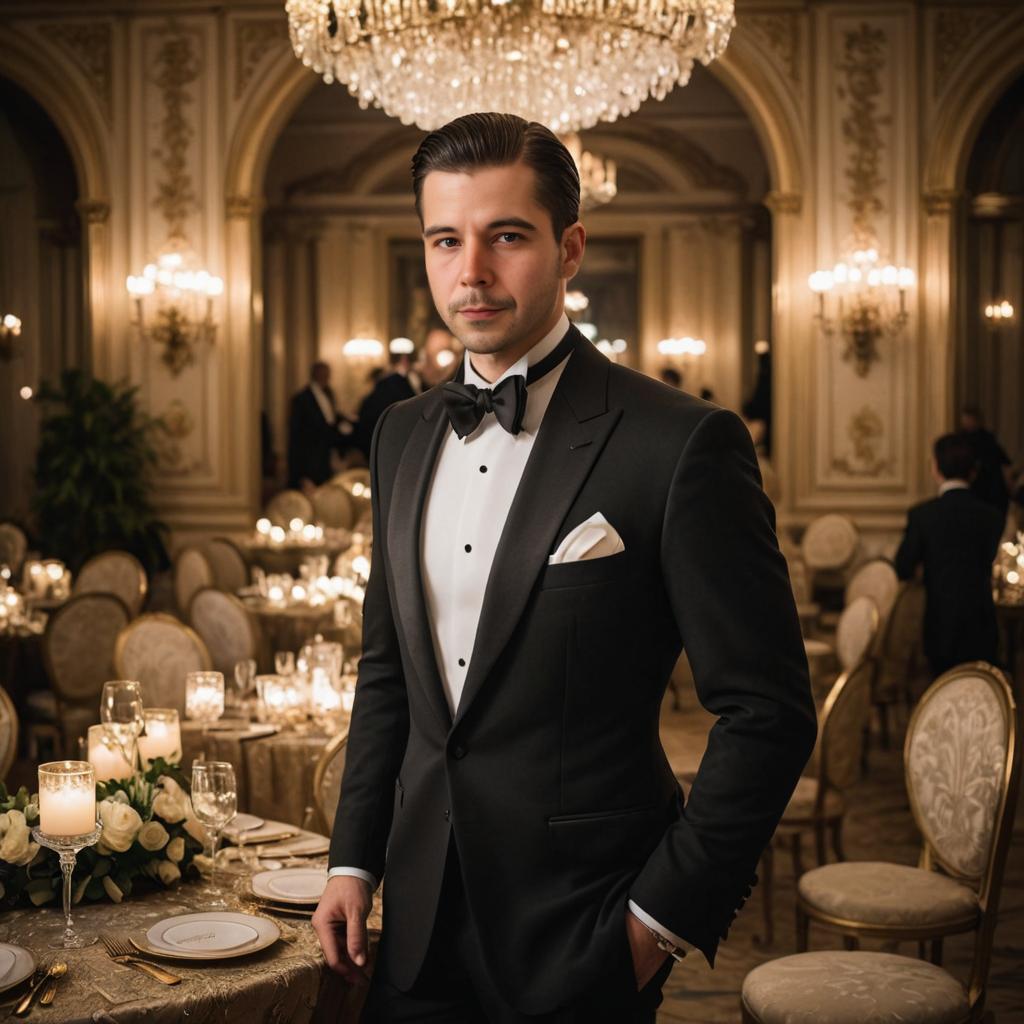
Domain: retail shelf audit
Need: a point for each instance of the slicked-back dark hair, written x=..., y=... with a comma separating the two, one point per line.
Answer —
x=955, y=457
x=497, y=140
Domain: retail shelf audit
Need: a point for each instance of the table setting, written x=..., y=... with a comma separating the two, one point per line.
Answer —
x=278, y=548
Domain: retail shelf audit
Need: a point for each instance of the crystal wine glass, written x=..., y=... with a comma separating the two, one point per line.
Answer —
x=121, y=713
x=284, y=663
x=245, y=676
x=215, y=802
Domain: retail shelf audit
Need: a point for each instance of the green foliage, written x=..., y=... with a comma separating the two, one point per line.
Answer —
x=92, y=473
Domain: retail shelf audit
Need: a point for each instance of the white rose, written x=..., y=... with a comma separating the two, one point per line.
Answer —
x=169, y=872
x=120, y=823
x=171, y=801
x=194, y=827
x=113, y=891
x=153, y=836
x=175, y=849
x=16, y=847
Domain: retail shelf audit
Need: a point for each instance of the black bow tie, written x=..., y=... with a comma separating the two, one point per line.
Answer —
x=466, y=404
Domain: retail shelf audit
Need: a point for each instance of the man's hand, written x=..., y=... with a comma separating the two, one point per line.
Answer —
x=647, y=958
x=340, y=925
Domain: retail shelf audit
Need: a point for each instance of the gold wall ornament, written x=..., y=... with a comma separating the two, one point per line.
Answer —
x=565, y=63
x=90, y=46
x=93, y=211
x=954, y=31
x=781, y=34
x=597, y=175
x=254, y=39
x=865, y=431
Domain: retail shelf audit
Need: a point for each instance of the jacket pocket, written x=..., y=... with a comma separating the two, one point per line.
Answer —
x=585, y=573
x=615, y=839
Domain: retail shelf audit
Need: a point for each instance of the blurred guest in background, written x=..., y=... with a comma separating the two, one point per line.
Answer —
x=399, y=383
x=672, y=377
x=990, y=481
x=439, y=358
x=955, y=538
x=315, y=430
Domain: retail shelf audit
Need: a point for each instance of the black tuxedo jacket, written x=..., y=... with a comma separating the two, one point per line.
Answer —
x=551, y=779
x=392, y=388
x=311, y=439
x=955, y=538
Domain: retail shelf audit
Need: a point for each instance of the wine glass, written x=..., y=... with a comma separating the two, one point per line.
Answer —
x=121, y=713
x=284, y=663
x=215, y=802
x=245, y=676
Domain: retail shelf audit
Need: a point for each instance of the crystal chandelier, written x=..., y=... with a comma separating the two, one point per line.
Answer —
x=565, y=63
x=597, y=175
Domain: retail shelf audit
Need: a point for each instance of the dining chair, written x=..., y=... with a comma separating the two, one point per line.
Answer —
x=114, y=572
x=229, y=565
x=876, y=578
x=334, y=507
x=224, y=624
x=192, y=572
x=13, y=546
x=285, y=506
x=8, y=733
x=818, y=804
x=855, y=637
x=158, y=651
x=962, y=764
x=357, y=482
x=78, y=653
x=828, y=547
x=327, y=780
x=896, y=654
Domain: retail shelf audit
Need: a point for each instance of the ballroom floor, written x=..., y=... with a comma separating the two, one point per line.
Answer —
x=879, y=827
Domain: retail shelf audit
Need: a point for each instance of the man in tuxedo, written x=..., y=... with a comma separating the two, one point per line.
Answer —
x=954, y=537
x=400, y=383
x=549, y=530
x=315, y=429
x=992, y=465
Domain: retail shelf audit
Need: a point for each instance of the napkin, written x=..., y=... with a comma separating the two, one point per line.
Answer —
x=593, y=538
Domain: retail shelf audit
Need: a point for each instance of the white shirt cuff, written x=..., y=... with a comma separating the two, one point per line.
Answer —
x=644, y=918
x=355, y=873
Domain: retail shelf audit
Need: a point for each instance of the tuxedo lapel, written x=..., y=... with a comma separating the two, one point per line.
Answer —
x=575, y=428
x=412, y=480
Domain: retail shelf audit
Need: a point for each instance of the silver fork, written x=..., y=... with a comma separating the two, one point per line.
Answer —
x=121, y=951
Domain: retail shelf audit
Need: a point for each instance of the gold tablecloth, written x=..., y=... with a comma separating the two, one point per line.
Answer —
x=274, y=773
x=289, y=983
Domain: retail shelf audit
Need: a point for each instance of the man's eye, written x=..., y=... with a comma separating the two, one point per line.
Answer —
x=440, y=243
x=510, y=236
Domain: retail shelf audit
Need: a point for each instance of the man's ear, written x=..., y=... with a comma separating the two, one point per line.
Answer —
x=573, y=244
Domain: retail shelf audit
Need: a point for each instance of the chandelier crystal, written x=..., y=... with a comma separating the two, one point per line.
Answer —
x=565, y=63
x=597, y=175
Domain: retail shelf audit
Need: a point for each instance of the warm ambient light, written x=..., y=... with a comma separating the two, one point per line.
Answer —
x=445, y=357
x=999, y=311
x=26, y=392
x=401, y=347
x=368, y=348
x=685, y=346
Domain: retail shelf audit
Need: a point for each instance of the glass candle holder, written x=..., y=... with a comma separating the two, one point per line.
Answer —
x=106, y=755
x=162, y=736
x=67, y=824
x=204, y=696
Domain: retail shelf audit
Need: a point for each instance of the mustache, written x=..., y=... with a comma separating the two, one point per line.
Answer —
x=478, y=300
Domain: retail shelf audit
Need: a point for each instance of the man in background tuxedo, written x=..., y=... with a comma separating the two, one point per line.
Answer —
x=549, y=530
x=400, y=383
x=954, y=537
x=315, y=429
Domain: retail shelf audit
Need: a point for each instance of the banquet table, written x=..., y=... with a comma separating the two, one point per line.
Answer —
x=274, y=774
x=288, y=628
x=289, y=981
x=287, y=557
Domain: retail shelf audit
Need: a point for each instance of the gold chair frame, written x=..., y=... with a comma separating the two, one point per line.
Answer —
x=327, y=755
x=12, y=750
x=122, y=640
x=135, y=607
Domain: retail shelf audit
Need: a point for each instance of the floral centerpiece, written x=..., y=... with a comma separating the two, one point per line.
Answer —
x=150, y=836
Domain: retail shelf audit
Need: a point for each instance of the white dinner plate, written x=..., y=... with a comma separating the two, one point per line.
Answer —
x=245, y=822
x=302, y=886
x=19, y=964
x=215, y=935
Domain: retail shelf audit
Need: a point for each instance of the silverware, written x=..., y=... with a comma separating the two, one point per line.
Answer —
x=121, y=951
x=49, y=992
x=56, y=970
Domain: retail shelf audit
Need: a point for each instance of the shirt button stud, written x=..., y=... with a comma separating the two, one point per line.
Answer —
x=483, y=469
x=462, y=662
x=469, y=547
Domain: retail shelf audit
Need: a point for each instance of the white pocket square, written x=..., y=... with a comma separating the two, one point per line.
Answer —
x=594, y=538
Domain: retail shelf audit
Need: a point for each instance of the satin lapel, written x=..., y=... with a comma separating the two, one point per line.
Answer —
x=404, y=524
x=575, y=428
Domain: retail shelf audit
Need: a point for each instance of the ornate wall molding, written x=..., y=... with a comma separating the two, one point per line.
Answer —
x=954, y=31
x=865, y=431
x=242, y=207
x=781, y=33
x=254, y=39
x=90, y=46
x=942, y=202
x=788, y=203
x=93, y=211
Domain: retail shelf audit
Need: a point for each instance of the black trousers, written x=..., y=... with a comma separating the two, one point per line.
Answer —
x=453, y=986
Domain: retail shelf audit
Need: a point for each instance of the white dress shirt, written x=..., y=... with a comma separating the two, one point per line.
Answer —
x=954, y=484
x=324, y=401
x=475, y=480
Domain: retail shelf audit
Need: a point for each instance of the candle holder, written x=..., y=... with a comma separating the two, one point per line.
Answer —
x=67, y=848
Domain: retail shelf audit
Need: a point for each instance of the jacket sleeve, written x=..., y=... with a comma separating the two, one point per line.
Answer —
x=731, y=597
x=380, y=715
x=911, y=550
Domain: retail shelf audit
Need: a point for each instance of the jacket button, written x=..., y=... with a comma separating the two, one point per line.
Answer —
x=447, y=815
x=459, y=752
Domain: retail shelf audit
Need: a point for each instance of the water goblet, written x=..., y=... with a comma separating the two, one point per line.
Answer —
x=215, y=802
x=122, y=715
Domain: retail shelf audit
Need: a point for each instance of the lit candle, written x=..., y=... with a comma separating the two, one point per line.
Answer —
x=106, y=755
x=204, y=695
x=280, y=698
x=277, y=534
x=309, y=532
x=162, y=737
x=263, y=527
x=325, y=697
x=67, y=798
x=295, y=525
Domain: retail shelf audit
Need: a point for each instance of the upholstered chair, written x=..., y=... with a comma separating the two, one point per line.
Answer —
x=855, y=637
x=896, y=653
x=226, y=627
x=192, y=572
x=334, y=507
x=114, y=572
x=8, y=733
x=327, y=780
x=829, y=547
x=285, y=506
x=160, y=651
x=13, y=546
x=962, y=764
x=357, y=482
x=877, y=579
x=818, y=804
x=229, y=565
x=78, y=652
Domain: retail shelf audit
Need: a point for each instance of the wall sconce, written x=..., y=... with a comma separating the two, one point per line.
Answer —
x=685, y=346
x=612, y=349
x=871, y=303
x=999, y=311
x=180, y=322
x=401, y=347
x=10, y=328
x=363, y=348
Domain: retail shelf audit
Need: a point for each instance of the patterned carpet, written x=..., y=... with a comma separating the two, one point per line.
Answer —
x=879, y=827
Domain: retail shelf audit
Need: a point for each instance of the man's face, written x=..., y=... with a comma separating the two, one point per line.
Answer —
x=969, y=422
x=322, y=375
x=496, y=272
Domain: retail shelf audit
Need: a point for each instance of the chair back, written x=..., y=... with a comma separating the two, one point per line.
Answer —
x=841, y=733
x=159, y=651
x=192, y=572
x=334, y=507
x=327, y=779
x=855, y=632
x=877, y=579
x=229, y=565
x=8, y=733
x=962, y=764
x=114, y=572
x=829, y=543
x=900, y=638
x=225, y=626
x=13, y=545
x=78, y=647
x=357, y=482
x=285, y=506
